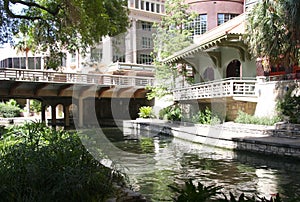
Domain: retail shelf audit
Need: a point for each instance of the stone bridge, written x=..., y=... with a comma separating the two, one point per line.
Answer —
x=94, y=97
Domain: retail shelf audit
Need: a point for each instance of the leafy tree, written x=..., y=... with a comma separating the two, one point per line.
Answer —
x=68, y=24
x=273, y=31
x=172, y=35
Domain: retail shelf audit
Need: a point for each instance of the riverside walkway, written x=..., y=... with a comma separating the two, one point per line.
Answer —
x=274, y=140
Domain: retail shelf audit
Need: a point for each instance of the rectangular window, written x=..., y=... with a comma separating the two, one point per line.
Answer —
x=23, y=63
x=137, y=3
x=145, y=59
x=73, y=57
x=203, y=21
x=199, y=26
x=152, y=7
x=118, y=58
x=224, y=17
x=157, y=8
x=146, y=42
x=147, y=6
x=142, y=5
x=96, y=54
x=132, y=3
x=162, y=8
x=146, y=26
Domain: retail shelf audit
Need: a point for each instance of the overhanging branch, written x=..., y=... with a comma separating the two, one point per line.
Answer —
x=53, y=12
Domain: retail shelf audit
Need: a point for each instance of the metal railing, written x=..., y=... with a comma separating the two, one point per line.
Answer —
x=216, y=89
x=64, y=77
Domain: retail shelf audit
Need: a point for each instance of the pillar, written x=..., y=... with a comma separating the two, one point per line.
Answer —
x=43, y=113
x=53, y=115
x=66, y=116
x=80, y=112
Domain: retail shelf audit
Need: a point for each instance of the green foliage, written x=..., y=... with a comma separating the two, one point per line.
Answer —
x=172, y=113
x=54, y=24
x=200, y=193
x=158, y=91
x=206, y=117
x=38, y=163
x=171, y=36
x=249, y=119
x=9, y=109
x=146, y=112
x=289, y=106
x=272, y=30
x=35, y=106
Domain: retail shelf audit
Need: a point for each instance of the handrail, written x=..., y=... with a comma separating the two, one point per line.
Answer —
x=68, y=77
x=216, y=89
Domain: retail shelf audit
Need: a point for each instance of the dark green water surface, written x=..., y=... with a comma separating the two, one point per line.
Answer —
x=154, y=162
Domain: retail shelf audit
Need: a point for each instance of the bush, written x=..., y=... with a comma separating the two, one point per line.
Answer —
x=172, y=113
x=35, y=106
x=249, y=119
x=146, y=112
x=206, y=117
x=201, y=193
x=9, y=109
x=40, y=164
x=289, y=106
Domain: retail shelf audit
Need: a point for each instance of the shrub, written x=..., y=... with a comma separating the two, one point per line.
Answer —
x=41, y=164
x=249, y=119
x=35, y=106
x=190, y=192
x=146, y=112
x=206, y=117
x=9, y=109
x=201, y=193
x=289, y=106
x=172, y=113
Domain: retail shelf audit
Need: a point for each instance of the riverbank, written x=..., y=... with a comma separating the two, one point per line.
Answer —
x=281, y=139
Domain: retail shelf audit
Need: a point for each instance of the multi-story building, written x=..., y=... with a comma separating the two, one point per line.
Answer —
x=212, y=13
x=127, y=51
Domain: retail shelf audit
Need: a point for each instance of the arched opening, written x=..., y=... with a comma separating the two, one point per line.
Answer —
x=59, y=111
x=233, y=69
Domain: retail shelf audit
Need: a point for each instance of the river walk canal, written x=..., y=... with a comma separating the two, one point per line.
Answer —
x=156, y=162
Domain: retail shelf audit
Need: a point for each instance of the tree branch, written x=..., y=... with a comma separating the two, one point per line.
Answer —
x=53, y=12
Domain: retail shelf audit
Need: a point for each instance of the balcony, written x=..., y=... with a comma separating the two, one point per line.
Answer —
x=230, y=87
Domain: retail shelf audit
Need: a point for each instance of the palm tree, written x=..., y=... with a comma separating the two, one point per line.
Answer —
x=25, y=45
x=273, y=31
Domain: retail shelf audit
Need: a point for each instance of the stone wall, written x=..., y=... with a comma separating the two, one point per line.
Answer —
x=232, y=109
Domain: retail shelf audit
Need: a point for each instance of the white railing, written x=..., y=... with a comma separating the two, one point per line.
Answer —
x=60, y=77
x=217, y=89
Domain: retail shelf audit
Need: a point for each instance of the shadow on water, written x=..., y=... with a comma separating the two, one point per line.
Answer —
x=159, y=161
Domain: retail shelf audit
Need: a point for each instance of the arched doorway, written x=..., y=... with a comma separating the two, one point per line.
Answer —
x=233, y=69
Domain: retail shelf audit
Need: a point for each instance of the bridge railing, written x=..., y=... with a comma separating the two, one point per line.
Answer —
x=216, y=89
x=63, y=77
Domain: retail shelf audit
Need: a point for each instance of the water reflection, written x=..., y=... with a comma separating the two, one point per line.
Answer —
x=171, y=161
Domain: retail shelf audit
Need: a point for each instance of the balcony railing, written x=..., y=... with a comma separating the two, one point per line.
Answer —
x=217, y=89
x=60, y=77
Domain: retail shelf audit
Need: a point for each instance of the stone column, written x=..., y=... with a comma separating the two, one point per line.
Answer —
x=80, y=112
x=133, y=41
x=53, y=115
x=66, y=116
x=43, y=113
